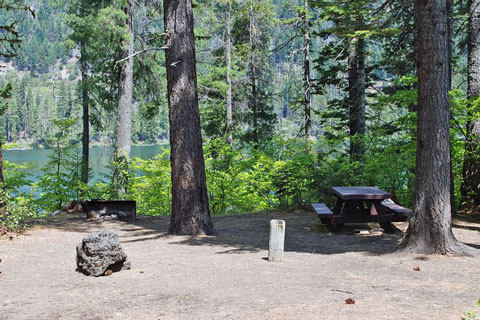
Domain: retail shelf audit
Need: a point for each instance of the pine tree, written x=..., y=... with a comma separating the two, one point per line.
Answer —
x=228, y=58
x=124, y=108
x=80, y=18
x=190, y=206
x=307, y=81
x=429, y=230
x=260, y=107
x=351, y=28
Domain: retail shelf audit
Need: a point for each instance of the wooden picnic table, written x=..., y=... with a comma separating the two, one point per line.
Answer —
x=360, y=193
x=359, y=205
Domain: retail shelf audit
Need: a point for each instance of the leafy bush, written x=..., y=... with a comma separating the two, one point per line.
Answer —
x=16, y=204
x=237, y=183
x=151, y=185
x=391, y=168
x=296, y=174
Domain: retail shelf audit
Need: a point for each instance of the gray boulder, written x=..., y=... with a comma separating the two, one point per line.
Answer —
x=100, y=251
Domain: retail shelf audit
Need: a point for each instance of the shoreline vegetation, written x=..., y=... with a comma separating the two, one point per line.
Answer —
x=19, y=146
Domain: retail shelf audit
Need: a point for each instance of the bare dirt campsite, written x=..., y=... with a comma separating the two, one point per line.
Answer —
x=228, y=276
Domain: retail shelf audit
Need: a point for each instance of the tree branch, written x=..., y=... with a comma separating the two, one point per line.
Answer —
x=139, y=52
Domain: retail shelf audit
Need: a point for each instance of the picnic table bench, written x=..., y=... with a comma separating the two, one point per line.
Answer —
x=361, y=204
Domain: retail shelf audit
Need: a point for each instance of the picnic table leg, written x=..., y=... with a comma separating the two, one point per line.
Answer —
x=327, y=221
x=388, y=227
x=338, y=210
x=338, y=227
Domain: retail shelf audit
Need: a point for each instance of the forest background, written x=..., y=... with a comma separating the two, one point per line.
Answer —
x=321, y=94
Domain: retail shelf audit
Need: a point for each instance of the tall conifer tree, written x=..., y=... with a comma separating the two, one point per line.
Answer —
x=124, y=107
x=190, y=206
x=429, y=229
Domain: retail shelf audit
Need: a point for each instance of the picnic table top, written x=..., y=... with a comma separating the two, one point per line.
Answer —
x=360, y=193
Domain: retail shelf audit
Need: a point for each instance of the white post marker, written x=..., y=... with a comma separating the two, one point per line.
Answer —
x=277, y=237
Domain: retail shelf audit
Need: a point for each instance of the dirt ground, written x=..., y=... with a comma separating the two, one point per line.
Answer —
x=228, y=276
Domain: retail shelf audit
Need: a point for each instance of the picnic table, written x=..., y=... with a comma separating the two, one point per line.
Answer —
x=359, y=205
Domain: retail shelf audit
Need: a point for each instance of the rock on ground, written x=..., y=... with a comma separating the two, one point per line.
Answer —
x=227, y=276
x=100, y=251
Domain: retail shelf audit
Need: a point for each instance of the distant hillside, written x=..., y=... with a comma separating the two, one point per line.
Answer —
x=43, y=38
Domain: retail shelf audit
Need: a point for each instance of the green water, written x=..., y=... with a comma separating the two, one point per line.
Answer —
x=100, y=158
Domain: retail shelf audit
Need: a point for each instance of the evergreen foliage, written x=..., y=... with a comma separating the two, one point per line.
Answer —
x=60, y=181
x=268, y=166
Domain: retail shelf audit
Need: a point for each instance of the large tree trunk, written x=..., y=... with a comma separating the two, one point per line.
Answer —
x=85, y=118
x=429, y=230
x=190, y=208
x=307, y=85
x=228, y=49
x=356, y=97
x=471, y=167
x=253, y=73
x=124, y=110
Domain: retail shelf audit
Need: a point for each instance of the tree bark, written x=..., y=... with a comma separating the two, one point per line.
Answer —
x=190, y=207
x=253, y=74
x=85, y=116
x=470, y=188
x=307, y=85
x=124, y=110
x=429, y=230
x=356, y=97
x=228, y=49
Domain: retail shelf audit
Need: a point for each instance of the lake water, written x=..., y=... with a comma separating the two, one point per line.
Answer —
x=100, y=158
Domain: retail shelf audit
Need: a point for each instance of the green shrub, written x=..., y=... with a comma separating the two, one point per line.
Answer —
x=151, y=185
x=295, y=175
x=16, y=203
x=237, y=182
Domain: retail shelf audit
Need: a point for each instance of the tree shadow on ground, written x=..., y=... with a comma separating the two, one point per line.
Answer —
x=244, y=233
x=303, y=233
x=137, y=229
x=467, y=221
x=237, y=234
